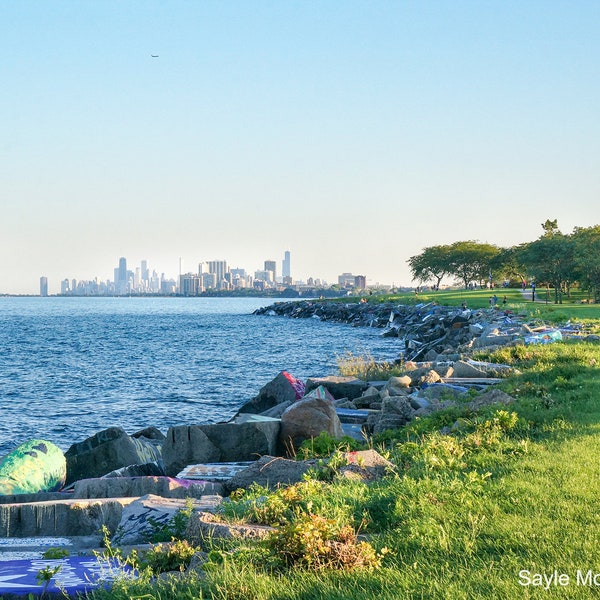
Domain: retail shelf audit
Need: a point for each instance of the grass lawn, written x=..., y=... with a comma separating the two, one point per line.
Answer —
x=492, y=509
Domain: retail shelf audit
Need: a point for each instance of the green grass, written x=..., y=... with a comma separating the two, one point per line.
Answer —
x=462, y=513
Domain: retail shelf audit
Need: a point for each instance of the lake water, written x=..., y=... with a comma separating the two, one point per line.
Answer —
x=70, y=367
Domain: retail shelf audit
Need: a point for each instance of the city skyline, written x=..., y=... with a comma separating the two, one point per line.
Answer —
x=355, y=134
x=209, y=275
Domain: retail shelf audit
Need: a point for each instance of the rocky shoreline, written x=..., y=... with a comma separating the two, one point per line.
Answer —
x=425, y=330
x=130, y=484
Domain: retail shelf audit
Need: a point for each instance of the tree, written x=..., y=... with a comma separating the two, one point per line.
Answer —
x=506, y=264
x=472, y=261
x=587, y=258
x=550, y=259
x=432, y=264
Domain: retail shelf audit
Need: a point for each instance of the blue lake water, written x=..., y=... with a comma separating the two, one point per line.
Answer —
x=70, y=367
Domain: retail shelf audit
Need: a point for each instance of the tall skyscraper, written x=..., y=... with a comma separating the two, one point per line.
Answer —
x=286, y=266
x=43, y=286
x=218, y=268
x=271, y=265
x=145, y=275
x=121, y=277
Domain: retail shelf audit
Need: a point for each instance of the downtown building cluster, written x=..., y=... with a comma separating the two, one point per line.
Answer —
x=211, y=276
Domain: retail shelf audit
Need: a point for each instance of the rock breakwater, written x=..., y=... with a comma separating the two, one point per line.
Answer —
x=426, y=330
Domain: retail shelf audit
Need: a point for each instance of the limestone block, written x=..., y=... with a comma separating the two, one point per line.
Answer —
x=166, y=487
x=144, y=516
x=223, y=442
x=60, y=517
x=339, y=387
x=107, y=451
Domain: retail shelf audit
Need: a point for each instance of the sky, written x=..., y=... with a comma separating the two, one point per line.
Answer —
x=353, y=134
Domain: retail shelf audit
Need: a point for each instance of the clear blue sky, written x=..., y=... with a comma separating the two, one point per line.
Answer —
x=351, y=133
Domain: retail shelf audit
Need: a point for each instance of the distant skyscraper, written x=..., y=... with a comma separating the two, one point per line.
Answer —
x=145, y=277
x=271, y=265
x=286, y=268
x=43, y=286
x=121, y=278
x=218, y=268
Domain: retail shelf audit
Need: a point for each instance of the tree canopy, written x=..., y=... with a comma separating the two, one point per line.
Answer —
x=555, y=259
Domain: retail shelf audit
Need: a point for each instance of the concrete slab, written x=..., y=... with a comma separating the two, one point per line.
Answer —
x=61, y=518
x=214, y=471
x=75, y=575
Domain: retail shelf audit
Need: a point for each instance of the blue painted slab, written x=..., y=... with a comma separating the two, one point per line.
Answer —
x=77, y=574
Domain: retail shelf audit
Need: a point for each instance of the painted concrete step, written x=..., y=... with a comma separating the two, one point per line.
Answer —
x=74, y=576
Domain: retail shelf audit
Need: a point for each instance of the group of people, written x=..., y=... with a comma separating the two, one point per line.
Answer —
x=494, y=301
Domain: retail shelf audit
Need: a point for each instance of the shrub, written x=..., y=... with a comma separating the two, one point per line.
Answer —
x=174, y=556
x=317, y=543
x=366, y=367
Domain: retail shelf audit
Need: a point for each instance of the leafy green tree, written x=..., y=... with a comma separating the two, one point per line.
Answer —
x=432, y=264
x=551, y=259
x=472, y=261
x=506, y=264
x=587, y=258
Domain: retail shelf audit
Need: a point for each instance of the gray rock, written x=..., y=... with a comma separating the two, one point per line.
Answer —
x=417, y=401
x=223, y=442
x=62, y=518
x=278, y=390
x=277, y=410
x=339, y=387
x=430, y=377
x=204, y=528
x=395, y=412
x=398, y=386
x=344, y=403
x=436, y=392
x=489, y=397
x=107, y=451
x=124, y=487
x=143, y=517
x=306, y=419
x=464, y=369
x=368, y=459
x=150, y=433
x=269, y=471
x=149, y=469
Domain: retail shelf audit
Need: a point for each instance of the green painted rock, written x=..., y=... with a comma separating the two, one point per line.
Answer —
x=36, y=466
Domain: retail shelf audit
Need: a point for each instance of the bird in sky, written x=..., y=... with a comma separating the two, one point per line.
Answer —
x=154, y=55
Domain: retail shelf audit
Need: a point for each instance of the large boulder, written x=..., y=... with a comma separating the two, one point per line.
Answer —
x=223, y=442
x=269, y=471
x=35, y=466
x=464, y=369
x=365, y=465
x=108, y=451
x=338, y=387
x=283, y=388
x=306, y=419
